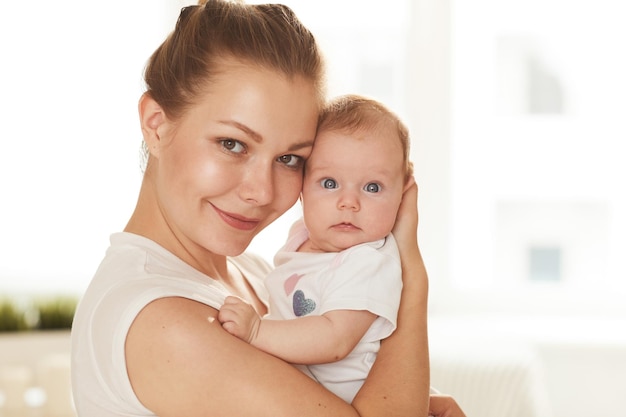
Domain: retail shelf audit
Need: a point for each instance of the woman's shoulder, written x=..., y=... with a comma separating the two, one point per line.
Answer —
x=252, y=263
x=254, y=268
x=136, y=271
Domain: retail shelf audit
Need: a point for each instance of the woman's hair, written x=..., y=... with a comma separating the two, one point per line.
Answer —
x=353, y=113
x=267, y=35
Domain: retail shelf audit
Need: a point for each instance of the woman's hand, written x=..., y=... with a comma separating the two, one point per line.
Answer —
x=444, y=406
x=405, y=229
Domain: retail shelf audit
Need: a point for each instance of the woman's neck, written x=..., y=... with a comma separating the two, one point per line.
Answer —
x=148, y=221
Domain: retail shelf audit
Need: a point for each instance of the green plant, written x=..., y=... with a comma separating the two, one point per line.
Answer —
x=53, y=312
x=11, y=317
x=56, y=312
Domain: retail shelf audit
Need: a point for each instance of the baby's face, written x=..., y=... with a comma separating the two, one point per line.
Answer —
x=352, y=188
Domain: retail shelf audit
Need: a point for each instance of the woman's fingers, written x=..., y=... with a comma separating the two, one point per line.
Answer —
x=444, y=406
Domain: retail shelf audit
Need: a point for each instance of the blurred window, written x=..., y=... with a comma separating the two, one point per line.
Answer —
x=515, y=108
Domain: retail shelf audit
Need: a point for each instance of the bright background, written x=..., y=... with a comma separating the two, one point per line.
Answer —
x=516, y=110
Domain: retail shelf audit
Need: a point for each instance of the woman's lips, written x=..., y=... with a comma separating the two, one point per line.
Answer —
x=236, y=221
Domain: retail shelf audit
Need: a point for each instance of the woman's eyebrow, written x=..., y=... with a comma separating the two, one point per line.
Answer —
x=301, y=145
x=257, y=137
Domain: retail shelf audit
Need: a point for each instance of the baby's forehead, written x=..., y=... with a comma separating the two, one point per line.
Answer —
x=386, y=140
x=371, y=122
x=353, y=163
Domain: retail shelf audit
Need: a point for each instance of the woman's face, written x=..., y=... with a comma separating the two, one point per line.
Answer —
x=233, y=163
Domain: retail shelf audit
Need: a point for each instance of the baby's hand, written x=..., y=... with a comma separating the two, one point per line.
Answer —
x=239, y=319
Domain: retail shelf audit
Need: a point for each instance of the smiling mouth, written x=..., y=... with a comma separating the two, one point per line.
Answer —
x=236, y=221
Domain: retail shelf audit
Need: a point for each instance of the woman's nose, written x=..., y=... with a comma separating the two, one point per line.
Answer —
x=258, y=186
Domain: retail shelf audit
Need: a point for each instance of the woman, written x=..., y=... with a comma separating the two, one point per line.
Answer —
x=228, y=119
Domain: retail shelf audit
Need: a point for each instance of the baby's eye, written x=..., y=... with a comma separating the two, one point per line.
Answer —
x=372, y=187
x=233, y=145
x=291, y=161
x=329, y=183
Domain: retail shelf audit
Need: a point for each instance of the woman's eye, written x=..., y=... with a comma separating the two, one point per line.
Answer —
x=372, y=187
x=233, y=145
x=291, y=161
x=329, y=183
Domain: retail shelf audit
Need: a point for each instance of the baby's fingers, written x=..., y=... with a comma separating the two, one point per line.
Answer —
x=232, y=300
x=226, y=314
x=231, y=309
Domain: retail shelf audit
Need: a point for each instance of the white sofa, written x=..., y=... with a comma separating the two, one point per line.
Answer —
x=531, y=366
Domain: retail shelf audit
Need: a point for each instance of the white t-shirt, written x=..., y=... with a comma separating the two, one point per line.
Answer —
x=134, y=272
x=364, y=277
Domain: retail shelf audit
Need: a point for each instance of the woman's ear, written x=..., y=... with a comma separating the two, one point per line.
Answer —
x=151, y=117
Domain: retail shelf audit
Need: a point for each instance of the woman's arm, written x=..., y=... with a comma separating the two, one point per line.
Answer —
x=305, y=340
x=399, y=381
x=181, y=361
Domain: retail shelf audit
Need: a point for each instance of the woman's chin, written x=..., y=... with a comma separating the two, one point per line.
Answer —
x=235, y=248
